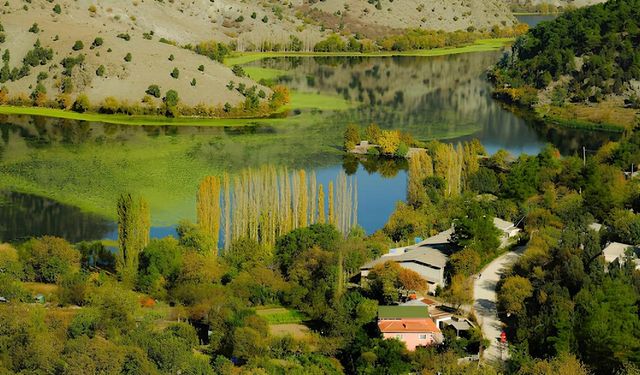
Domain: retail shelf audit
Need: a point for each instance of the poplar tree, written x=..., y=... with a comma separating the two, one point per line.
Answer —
x=321, y=217
x=420, y=167
x=208, y=207
x=134, y=226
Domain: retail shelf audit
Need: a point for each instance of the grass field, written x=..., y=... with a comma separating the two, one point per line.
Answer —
x=480, y=45
x=281, y=315
x=257, y=73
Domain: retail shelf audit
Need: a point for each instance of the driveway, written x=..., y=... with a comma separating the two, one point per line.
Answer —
x=485, y=300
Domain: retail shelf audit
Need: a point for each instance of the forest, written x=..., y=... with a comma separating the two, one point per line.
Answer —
x=582, y=56
x=181, y=304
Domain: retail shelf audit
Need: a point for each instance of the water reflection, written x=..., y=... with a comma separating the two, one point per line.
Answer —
x=90, y=164
x=24, y=215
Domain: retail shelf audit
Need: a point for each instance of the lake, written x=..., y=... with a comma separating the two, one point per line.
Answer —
x=69, y=174
x=534, y=19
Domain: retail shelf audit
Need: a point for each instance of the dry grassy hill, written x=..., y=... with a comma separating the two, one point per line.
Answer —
x=137, y=28
x=546, y=6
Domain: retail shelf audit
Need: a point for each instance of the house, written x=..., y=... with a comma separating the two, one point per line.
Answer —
x=617, y=251
x=428, y=258
x=437, y=315
x=508, y=229
x=461, y=326
x=409, y=324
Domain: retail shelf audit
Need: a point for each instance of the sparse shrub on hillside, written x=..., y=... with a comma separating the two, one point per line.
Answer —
x=240, y=19
x=262, y=94
x=68, y=63
x=171, y=100
x=38, y=95
x=230, y=85
x=175, y=73
x=193, y=82
x=128, y=57
x=254, y=15
x=42, y=76
x=81, y=104
x=124, y=36
x=78, y=45
x=333, y=43
x=57, y=9
x=97, y=42
x=34, y=28
x=171, y=57
x=238, y=70
x=67, y=85
x=100, y=71
x=3, y=37
x=154, y=90
x=201, y=68
x=38, y=55
x=213, y=50
x=265, y=19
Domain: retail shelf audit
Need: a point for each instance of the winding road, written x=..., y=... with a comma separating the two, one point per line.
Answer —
x=485, y=302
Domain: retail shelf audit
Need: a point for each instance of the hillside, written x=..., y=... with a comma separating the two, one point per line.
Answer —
x=56, y=50
x=549, y=6
x=583, y=66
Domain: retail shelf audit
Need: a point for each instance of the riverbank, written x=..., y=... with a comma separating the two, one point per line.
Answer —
x=480, y=45
x=603, y=116
x=299, y=100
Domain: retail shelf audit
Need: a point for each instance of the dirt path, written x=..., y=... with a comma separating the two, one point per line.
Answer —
x=485, y=302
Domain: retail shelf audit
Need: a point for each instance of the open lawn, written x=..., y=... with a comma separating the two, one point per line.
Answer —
x=480, y=45
x=281, y=315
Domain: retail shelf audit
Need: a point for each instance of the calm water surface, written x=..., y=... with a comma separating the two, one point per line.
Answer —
x=68, y=165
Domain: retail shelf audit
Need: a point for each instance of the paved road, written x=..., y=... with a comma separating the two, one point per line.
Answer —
x=485, y=298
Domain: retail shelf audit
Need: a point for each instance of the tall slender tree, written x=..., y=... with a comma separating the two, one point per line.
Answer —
x=208, y=207
x=133, y=235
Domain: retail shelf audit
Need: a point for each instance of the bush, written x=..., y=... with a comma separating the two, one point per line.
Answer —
x=48, y=258
x=57, y=9
x=124, y=36
x=154, y=90
x=171, y=98
x=201, y=68
x=175, y=73
x=193, y=82
x=171, y=57
x=81, y=104
x=238, y=70
x=127, y=57
x=78, y=45
x=265, y=19
x=100, y=71
x=254, y=15
x=97, y=42
x=34, y=28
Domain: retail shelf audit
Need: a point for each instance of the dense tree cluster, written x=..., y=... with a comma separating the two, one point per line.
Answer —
x=596, y=48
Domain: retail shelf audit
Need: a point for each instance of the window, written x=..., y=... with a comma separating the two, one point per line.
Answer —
x=422, y=337
x=399, y=336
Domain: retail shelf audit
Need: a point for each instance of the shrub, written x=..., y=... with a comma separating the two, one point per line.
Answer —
x=238, y=70
x=254, y=15
x=78, y=45
x=48, y=258
x=127, y=57
x=124, y=36
x=81, y=104
x=193, y=82
x=97, y=42
x=154, y=90
x=57, y=9
x=175, y=73
x=171, y=57
x=265, y=19
x=34, y=28
x=240, y=19
x=42, y=76
x=100, y=71
x=201, y=68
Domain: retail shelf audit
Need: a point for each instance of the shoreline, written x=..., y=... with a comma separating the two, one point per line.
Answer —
x=480, y=45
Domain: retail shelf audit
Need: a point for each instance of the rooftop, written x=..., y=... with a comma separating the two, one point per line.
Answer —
x=615, y=250
x=503, y=225
x=416, y=325
x=402, y=312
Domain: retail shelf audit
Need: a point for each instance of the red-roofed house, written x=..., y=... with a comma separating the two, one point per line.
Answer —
x=409, y=324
